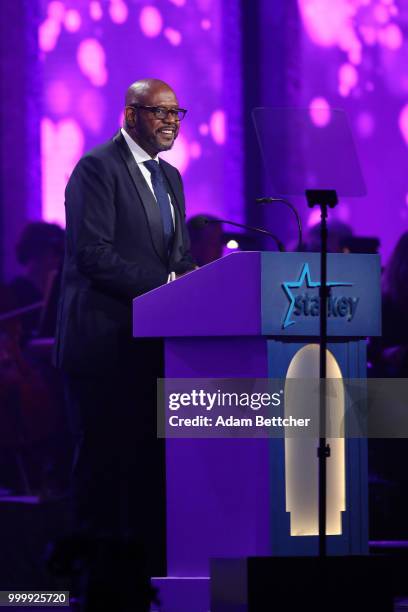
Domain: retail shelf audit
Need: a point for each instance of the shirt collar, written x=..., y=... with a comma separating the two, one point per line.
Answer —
x=138, y=153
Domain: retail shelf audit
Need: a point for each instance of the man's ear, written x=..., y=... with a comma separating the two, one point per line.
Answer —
x=130, y=116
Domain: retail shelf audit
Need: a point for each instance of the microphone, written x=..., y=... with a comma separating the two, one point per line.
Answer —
x=293, y=209
x=205, y=221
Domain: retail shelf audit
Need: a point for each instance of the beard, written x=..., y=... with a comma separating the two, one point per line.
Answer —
x=163, y=143
x=153, y=141
x=156, y=139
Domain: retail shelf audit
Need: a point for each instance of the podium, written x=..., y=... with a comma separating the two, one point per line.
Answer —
x=255, y=315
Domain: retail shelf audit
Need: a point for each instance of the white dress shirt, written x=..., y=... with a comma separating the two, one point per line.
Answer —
x=141, y=156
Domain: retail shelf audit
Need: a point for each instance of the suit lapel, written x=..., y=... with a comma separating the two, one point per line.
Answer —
x=148, y=201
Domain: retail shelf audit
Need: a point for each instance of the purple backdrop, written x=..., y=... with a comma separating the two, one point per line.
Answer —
x=355, y=56
x=92, y=51
x=351, y=54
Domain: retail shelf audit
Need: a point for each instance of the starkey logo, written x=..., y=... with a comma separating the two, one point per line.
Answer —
x=307, y=304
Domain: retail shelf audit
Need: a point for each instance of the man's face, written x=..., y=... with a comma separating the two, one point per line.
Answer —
x=153, y=134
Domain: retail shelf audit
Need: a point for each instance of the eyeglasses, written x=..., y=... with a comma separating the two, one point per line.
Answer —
x=160, y=112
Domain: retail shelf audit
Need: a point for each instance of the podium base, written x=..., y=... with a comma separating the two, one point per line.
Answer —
x=352, y=583
x=182, y=594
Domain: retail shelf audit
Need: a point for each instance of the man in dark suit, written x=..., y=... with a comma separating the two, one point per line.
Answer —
x=126, y=235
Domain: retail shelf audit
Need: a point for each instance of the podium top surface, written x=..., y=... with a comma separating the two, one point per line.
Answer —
x=269, y=294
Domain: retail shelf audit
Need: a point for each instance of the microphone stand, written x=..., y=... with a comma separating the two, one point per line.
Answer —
x=324, y=199
x=293, y=209
x=11, y=314
x=279, y=244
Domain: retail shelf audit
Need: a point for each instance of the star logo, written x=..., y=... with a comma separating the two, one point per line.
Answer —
x=304, y=275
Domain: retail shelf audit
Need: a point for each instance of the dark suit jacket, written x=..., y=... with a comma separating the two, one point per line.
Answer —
x=114, y=252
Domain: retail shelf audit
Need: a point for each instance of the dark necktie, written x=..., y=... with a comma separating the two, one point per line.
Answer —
x=162, y=197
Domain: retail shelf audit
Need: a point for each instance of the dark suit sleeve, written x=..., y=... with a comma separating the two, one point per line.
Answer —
x=91, y=217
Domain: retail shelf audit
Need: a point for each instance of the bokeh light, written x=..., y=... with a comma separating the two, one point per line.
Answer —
x=195, y=150
x=179, y=155
x=91, y=60
x=391, y=37
x=218, y=127
x=232, y=245
x=56, y=10
x=58, y=97
x=118, y=11
x=381, y=13
x=61, y=146
x=204, y=129
x=403, y=123
x=72, y=21
x=327, y=21
x=92, y=110
x=151, y=21
x=95, y=10
x=173, y=36
x=365, y=124
x=348, y=79
x=313, y=217
x=319, y=111
x=48, y=33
